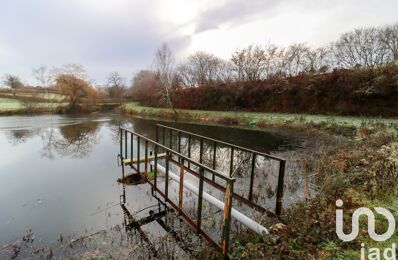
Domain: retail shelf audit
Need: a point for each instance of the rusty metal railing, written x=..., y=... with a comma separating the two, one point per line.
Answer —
x=130, y=151
x=162, y=132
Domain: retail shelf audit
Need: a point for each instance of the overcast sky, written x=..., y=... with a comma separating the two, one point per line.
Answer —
x=122, y=35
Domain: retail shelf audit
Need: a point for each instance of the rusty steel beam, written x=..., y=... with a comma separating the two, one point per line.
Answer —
x=227, y=218
x=279, y=193
x=181, y=188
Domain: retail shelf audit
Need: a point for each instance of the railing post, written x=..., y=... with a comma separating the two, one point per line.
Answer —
x=252, y=176
x=131, y=148
x=279, y=193
x=146, y=158
x=121, y=143
x=157, y=133
x=121, y=152
x=189, y=151
x=155, y=171
x=181, y=189
x=125, y=144
x=166, y=188
x=163, y=135
x=150, y=165
x=200, y=199
x=138, y=154
x=171, y=139
x=231, y=163
x=179, y=142
x=201, y=150
x=227, y=217
x=214, y=158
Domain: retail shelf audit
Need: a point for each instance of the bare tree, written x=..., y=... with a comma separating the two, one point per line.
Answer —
x=163, y=63
x=249, y=63
x=115, y=85
x=296, y=55
x=225, y=71
x=200, y=69
x=271, y=60
x=42, y=76
x=238, y=60
x=12, y=82
x=317, y=60
x=389, y=37
x=73, y=69
x=186, y=78
x=361, y=47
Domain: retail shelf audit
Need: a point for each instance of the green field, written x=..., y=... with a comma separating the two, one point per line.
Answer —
x=48, y=96
x=9, y=105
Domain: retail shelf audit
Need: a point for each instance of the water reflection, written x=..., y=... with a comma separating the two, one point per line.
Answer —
x=161, y=217
x=76, y=141
x=72, y=169
x=20, y=136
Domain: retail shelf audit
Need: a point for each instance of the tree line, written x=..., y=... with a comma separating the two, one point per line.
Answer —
x=276, y=78
x=69, y=80
x=165, y=83
x=361, y=48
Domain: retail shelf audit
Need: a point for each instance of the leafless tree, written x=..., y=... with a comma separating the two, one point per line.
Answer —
x=360, y=48
x=115, y=85
x=42, y=75
x=201, y=69
x=389, y=37
x=225, y=71
x=12, y=82
x=164, y=66
x=317, y=60
x=249, y=63
x=281, y=62
x=185, y=75
x=271, y=60
x=73, y=69
x=296, y=55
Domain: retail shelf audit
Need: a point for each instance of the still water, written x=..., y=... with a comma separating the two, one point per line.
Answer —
x=58, y=173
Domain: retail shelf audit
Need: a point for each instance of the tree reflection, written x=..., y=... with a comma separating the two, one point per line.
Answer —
x=20, y=136
x=114, y=125
x=75, y=140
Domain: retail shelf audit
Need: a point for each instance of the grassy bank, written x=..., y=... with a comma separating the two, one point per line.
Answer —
x=12, y=106
x=262, y=119
x=359, y=167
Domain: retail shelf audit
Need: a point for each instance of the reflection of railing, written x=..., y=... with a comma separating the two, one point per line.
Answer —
x=164, y=133
x=134, y=159
x=159, y=215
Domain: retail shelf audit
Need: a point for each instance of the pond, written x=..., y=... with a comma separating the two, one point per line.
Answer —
x=58, y=173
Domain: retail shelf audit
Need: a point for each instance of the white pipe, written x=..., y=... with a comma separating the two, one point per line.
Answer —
x=251, y=224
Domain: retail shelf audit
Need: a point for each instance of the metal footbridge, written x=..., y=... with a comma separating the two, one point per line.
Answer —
x=192, y=173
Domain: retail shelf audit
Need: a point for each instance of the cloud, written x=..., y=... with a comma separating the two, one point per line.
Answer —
x=122, y=35
x=234, y=12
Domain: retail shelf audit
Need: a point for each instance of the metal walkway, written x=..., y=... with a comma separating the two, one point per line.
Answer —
x=154, y=159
